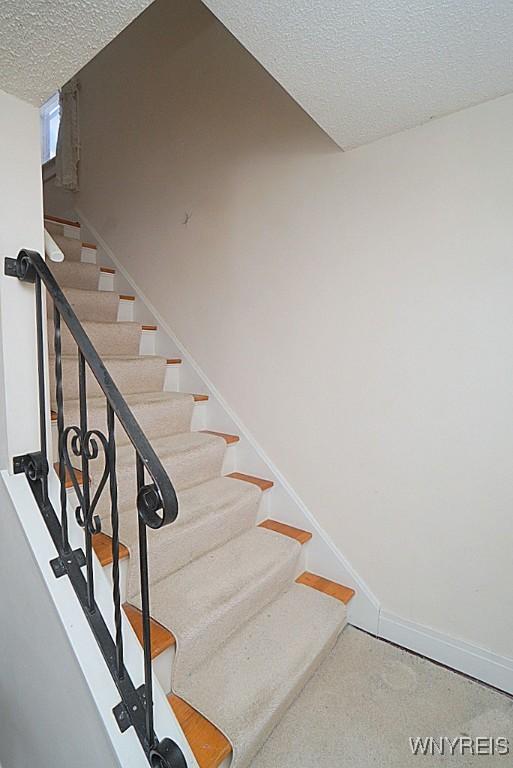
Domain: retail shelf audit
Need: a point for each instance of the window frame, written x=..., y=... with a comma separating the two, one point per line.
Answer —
x=50, y=117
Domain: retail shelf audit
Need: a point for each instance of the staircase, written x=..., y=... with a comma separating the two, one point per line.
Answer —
x=238, y=625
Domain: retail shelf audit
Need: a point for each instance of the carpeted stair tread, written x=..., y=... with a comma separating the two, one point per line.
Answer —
x=75, y=274
x=70, y=246
x=107, y=337
x=91, y=304
x=182, y=452
x=248, y=684
x=158, y=414
x=209, y=515
x=131, y=373
x=189, y=458
x=206, y=601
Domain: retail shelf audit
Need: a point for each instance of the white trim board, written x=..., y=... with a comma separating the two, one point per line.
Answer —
x=457, y=654
x=363, y=610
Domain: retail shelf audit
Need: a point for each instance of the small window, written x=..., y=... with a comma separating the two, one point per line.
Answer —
x=50, y=118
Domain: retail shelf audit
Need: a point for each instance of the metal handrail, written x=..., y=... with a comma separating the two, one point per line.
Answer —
x=52, y=250
x=156, y=501
x=148, y=505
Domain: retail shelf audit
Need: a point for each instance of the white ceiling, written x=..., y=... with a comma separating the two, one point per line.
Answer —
x=367, y=68
x=44, y=42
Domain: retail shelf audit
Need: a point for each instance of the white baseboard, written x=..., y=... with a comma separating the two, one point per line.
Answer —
x=458, y=654
x=364, y=609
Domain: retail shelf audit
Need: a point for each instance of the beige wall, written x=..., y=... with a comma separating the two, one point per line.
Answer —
x=21, y=226
x=355, y=310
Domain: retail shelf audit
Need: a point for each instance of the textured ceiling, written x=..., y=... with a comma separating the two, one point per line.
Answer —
x=44, y=42
x=367, y=68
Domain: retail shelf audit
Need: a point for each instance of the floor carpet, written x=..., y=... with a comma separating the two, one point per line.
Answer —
x=368, y=698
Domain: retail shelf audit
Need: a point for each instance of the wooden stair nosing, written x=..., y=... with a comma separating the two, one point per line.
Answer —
x=200, y=398
x=209, y=745
x=60, y=220
x=264, y=485
x=286, y=530
x=229, y=439
x=90, y=245
x=161, y=637
x=102, y=545
x=328, y=587
x=69, y=482
x=174, y=360
x=126, y=297
x=108, y=270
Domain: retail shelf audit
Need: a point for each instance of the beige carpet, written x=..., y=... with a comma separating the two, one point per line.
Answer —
x=248, y=638
x=368, y=698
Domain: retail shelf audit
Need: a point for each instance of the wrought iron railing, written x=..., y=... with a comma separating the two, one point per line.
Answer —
x=156, y=501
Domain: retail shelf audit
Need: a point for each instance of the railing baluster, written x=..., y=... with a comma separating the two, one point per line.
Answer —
x=41, y=383
x=145, y=608
x=111, y=459
x=86, y=494
x=60, y=426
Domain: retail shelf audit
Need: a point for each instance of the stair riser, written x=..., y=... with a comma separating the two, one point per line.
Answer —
x=106, y=281
x=132, y=376
x=163, y=668
x=125, y=309
x=147, y=346
x=172, y=380
x=199, y=415
x=115, y=339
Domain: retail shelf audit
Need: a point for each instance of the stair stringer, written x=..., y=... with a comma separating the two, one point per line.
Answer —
x=281, y=502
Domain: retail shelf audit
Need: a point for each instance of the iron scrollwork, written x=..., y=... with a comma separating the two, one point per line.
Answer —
x=85, y=446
